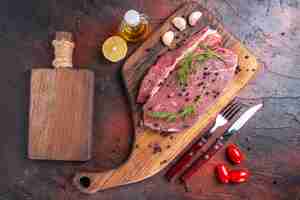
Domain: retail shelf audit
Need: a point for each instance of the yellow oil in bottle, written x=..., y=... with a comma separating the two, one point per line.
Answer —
x=134, y=26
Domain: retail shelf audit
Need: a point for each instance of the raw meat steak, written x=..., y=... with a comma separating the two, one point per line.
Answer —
x=201, y=90
x=166, y=63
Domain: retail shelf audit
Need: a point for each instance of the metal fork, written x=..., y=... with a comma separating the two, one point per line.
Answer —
x=222, y=118
x=227, y=114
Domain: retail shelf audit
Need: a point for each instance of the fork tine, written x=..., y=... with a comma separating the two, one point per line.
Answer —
x=228, y=107
x=232, y=109
x=234, y=112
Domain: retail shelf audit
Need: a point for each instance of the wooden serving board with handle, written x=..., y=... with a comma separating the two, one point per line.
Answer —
x=61, y=107
x=152, y=151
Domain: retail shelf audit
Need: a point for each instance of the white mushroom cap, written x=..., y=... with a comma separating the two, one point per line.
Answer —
x=180, y=23
x=194, y=17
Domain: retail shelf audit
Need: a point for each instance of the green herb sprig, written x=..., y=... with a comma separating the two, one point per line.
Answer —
x=172, y=116
x=183, y=71
x=186, y=63
x=187, y=111
x=211, y=52
x=169, y=116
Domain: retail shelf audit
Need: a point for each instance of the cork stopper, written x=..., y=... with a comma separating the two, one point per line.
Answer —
x=63, y=49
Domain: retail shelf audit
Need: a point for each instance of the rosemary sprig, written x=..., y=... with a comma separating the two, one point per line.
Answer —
x=172, y=116
x=214, y=54
x=187, y=111
x=169, y=116
x=183, y=71
x=186, y=63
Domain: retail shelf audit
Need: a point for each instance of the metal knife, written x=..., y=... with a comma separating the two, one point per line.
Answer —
x=237, y=125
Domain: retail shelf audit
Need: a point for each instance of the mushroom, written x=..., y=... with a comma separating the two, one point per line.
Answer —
x=168, y=38
x=194, y=17
x=180, y=23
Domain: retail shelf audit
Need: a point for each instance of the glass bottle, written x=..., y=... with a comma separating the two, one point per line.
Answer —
x=134, y=26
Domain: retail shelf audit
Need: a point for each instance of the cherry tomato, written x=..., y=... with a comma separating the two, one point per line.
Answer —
x=234, y=154
x=222, y=173
x=238, y=176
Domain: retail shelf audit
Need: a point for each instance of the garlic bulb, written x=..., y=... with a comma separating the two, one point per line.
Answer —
x=168, y=38
x=194, y=17
x=180, y=23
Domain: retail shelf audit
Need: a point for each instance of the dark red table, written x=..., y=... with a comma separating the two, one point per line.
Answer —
x=271, y=140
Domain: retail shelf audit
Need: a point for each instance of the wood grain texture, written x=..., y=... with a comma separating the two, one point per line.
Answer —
x=61, y=115
x=270, y=141
x=144, y=162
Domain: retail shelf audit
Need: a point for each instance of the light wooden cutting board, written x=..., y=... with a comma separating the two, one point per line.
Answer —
x=152, y=151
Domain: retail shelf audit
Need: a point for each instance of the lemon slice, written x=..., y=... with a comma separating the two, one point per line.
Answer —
x=114, y=48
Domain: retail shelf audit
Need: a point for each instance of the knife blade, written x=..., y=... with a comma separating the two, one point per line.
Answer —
x=237, y=125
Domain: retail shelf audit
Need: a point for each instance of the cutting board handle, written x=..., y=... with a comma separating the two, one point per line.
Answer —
x=91, y=182
x=63, y=49
x=134, y=170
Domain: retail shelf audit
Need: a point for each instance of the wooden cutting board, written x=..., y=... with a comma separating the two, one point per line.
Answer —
x=152, y=151
x=61, y=108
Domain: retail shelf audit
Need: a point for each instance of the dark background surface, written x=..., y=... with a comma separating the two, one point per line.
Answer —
x=271, y=141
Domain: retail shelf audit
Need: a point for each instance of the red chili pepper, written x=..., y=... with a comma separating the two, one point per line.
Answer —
x=234, y=154
x=222, y=173
x=238, y=176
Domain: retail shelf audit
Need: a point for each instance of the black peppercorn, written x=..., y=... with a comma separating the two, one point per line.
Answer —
x=200, y=84
x=196, y=98
x=156, y=149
